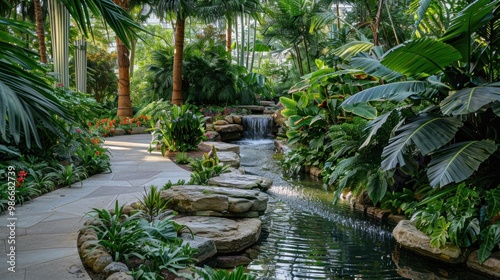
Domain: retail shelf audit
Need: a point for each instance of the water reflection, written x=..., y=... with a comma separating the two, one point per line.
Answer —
x=305, y=237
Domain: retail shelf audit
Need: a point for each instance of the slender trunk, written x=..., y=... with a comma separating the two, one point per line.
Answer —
x=132, y=56
x=178, y=55
x=299, y=60
x=377, y=23
x=253, y=48
x=248, y=43
x=122, y=53
x=306, y=49
x=237, y=38
x=228, y=35
x=242, y=58
x=392, y=23
x=40, y=32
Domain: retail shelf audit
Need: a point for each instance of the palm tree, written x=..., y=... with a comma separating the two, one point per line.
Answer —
x=40, y=31
x=122, y=55
x=26, y=100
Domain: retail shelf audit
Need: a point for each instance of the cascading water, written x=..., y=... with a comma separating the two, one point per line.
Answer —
x=257, y=126
x=304, y=236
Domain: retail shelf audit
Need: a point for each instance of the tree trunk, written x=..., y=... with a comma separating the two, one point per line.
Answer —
x=122, y=54
x=40, y=31
x=377, y=23
x=228, y=35
x=178, y=56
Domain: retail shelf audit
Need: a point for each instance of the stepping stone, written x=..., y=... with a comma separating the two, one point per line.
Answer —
x=229, y=236
x=241, y=181
x=223, y=147
x=216, y=201
x=205, y=247
x=229, y=158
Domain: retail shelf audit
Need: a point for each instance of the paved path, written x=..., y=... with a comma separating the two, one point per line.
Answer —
x=47, y=227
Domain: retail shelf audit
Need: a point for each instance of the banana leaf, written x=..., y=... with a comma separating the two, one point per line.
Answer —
x=458, y=162
x=469, y=100
x=426, y=132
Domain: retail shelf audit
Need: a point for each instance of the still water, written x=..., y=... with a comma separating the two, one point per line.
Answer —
x=304, y=236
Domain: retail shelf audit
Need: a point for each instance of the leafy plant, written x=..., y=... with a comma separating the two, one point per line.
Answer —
x=167, y=256
x=178, y=130
x=182, y=158
x=68, y=174
x=206, y=167
x=238, y=273
x=120, y=234
x=153, y=205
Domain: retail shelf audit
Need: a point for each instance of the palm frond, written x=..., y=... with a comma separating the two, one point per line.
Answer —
x=352, y=48
x=118, y=19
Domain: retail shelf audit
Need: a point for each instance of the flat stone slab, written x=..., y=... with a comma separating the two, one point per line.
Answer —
x=241, y=181
x=227, y=128
x=205, y=247
x=223, y=147
x=229, y=235
x=216, y=201
x=229, y=158
x=491, y=266
x=414, y=240
x=253, y=108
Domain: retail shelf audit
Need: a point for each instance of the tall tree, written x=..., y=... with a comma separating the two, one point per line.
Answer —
x=40, y=31
x=122, y=54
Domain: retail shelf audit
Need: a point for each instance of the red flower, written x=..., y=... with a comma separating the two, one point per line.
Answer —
x=78, y=131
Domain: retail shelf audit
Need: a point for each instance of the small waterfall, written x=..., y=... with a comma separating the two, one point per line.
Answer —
x=257, y=127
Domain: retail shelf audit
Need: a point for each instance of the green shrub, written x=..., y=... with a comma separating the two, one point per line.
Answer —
x=178, y=130
x=182, y=158
x=206, y=167
x=237, y=274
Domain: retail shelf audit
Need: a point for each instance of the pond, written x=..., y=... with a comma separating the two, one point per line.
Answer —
x=305, y=236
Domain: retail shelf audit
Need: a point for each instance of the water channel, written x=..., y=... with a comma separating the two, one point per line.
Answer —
x=306, y=237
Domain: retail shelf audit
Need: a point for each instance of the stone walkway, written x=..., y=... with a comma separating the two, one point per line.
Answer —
x=47, y=227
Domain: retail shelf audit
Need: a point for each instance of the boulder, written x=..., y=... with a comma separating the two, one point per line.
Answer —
x=101, y=263
x=227, y=128
x=216, y=201
x=237, y=119
x=241, y=181
x=223, y=147
x=120, y=276
x=229, y=236
x=205, y=248
x=138, y=130
x=229, y=158
x=114, y=267
x=414, y=240
x=229, y=119
x=221, y=122
x=490, y=267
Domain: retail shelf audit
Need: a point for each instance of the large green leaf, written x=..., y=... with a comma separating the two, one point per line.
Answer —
x=352, y=48
x=490, y=240
x=372, y=66
x=373, y=126
x=395, y=92
x=426, y=132
x=362, y=109
x=469, y=20
x=420, y=58
x=114, y=16
x=377, y=186
x=469, y=100
x=458, y=162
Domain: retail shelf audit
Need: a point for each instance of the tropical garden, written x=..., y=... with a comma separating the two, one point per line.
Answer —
x=399, y=100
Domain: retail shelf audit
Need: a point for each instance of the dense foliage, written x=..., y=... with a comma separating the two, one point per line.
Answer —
x=430, y=135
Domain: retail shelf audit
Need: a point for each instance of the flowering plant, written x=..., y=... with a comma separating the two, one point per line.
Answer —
x=105, y=126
